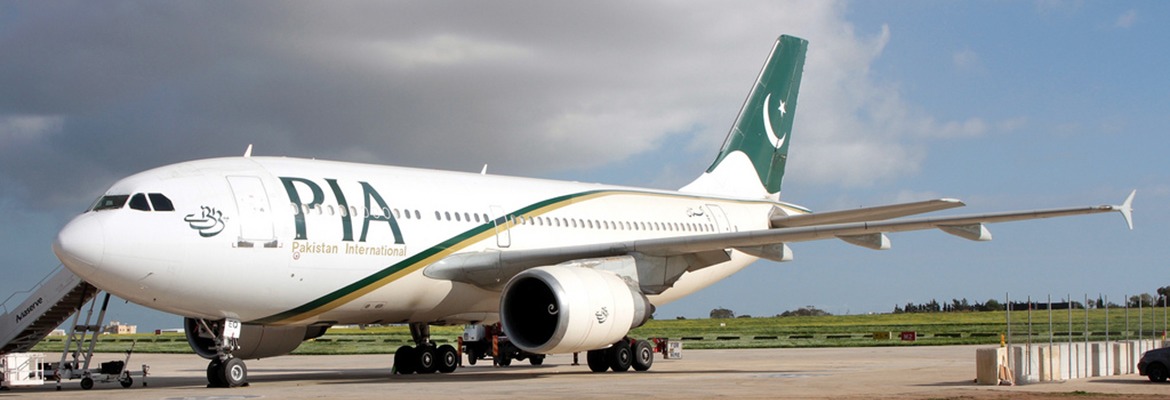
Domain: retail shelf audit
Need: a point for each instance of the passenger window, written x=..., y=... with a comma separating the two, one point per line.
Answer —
x=296, y=209
x=138, y=202
x=417, y=215
x=438, y=216
x=161, y=202
x=457, y=217
x=111, y=202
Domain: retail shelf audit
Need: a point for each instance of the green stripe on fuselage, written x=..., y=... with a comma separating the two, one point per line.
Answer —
x=458, y=242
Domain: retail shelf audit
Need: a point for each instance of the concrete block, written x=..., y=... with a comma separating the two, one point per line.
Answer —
x=1097, y=353
x=1050, y=366
x=988, y=362
x=1076, y=361
x=1024, y=364
x=1122, y=363
x=1062, y=358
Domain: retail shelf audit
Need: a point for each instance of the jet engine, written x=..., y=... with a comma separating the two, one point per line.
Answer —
x=256, y=341
x=564, y=309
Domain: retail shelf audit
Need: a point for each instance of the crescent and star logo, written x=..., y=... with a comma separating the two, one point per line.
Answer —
x=777, y=141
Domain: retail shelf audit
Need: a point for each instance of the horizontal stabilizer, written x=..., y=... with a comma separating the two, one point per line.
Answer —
x=876, y=241
x=976, y=232
x=879, y=213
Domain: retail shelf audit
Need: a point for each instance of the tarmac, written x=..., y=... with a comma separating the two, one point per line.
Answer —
x=914, y=372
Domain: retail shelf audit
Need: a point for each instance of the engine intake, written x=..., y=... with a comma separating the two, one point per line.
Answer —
x=256, y=341
x=564, y=309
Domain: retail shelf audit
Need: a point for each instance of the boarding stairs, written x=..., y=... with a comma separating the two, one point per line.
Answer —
x=50, y=303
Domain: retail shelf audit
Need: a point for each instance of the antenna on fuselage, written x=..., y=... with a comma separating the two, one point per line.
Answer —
x=248, y=151
x=484, y=170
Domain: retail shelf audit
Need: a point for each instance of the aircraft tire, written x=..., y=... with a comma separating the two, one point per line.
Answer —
x=427, y=360
x=214, y=376
x=643, y=355
x=234, y=372
x=598, y=360
x=448, y=359
x=405, y=361
x=536, y=360
x=472, y=358
x=621, y=356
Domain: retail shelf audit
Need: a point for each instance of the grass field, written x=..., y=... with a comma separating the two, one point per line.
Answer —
x=824, y=331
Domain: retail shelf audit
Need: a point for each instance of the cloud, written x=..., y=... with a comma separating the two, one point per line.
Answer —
x=18, y=129
x=1126, y=20
x=966, y=60
x=536, y=93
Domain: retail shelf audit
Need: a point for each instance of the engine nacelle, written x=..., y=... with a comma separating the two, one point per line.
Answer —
x=256, y=341
x=562, y=309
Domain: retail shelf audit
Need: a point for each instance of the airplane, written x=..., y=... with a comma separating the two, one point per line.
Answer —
x=259, y=254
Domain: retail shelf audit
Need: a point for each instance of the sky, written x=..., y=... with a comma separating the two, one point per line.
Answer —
x=1005, y=105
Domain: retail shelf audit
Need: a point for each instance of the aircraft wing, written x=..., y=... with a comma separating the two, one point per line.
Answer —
x=863, y=214
x=492, y=269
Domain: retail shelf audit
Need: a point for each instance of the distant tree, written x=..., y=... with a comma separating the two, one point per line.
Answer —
x=806, y=311
x=744, y=316
x=720, y=313
x=680, y=318
x=992, y=305
x=1141, y=300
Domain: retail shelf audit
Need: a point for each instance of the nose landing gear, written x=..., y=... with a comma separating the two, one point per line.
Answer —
x=224, y=370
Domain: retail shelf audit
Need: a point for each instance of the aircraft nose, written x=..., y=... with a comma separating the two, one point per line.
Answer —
x=81, y=242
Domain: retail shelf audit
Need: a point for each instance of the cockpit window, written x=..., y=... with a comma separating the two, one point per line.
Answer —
x=113, y=202
x=161, y=202
x=138, y=202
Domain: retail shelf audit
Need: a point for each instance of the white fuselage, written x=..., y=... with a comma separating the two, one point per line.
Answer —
x=294, y=241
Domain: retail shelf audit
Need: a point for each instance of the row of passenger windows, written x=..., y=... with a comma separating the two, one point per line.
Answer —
x=519, y=219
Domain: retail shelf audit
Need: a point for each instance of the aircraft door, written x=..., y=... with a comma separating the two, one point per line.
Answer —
x=501, y=221
x=719, y=218
x=255, y=213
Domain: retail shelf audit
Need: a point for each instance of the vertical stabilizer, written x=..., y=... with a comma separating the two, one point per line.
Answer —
x=751, y=162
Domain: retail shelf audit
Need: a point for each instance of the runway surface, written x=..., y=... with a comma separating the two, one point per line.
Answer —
x=877, y=372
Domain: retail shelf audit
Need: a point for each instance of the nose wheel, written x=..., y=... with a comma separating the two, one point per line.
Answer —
x=227, y=373
x=224, y=370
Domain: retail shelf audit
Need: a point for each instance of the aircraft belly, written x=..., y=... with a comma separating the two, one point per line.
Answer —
x=415, y=298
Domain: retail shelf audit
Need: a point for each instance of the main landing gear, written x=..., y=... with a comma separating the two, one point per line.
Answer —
x=621, y=356
x=224, y=370
x=424, y=357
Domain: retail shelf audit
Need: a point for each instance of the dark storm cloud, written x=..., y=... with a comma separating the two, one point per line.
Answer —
x=93, y=92
x=125, y=86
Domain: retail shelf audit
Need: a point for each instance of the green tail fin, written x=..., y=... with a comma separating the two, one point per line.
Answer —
x=762, y=132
